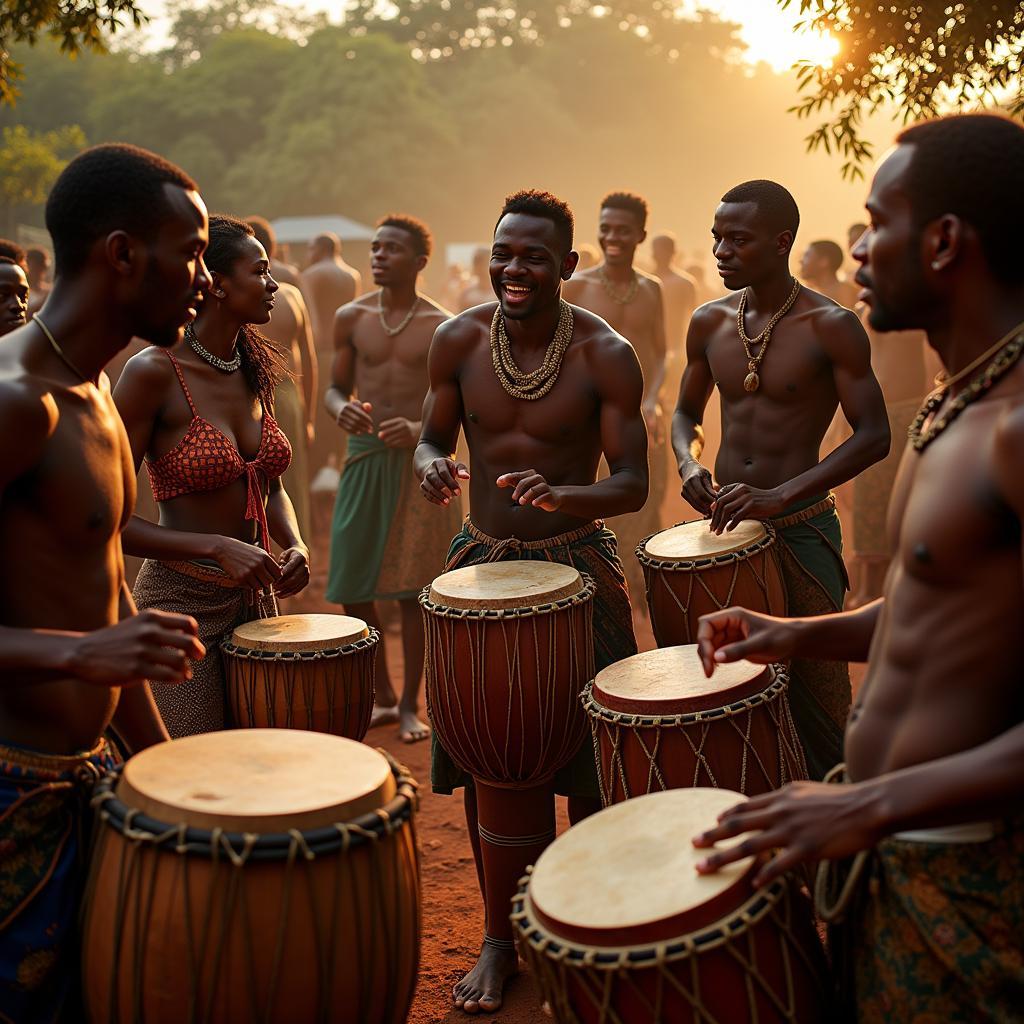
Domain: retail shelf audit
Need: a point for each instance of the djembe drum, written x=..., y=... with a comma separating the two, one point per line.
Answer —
x=509, y=647
x=690, y=571
x=302, y=672
x=618, y=927
x=262, y=875
x=659, y=723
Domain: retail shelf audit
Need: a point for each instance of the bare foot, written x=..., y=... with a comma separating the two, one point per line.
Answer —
x=383, y=714
x=481, y=989
x=411, y=729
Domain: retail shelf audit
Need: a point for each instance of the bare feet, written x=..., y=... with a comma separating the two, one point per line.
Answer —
x=481, y=989
x=411, y=729
x=383, y=714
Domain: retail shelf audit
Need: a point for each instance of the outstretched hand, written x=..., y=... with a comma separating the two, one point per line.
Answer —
x=735, y=633
x=530, y=488
x=440, y=482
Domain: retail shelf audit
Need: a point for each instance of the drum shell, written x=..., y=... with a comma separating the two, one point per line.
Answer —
x=750, y=746
x=503, y=689
x=679, y=593
x=325, y=691
x=171, y=937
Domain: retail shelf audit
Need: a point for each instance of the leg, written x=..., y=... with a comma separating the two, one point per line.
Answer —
x=385, y=703
x=410, y=727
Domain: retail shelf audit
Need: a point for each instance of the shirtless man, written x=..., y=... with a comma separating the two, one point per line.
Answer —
x=385, y=543
x=679, y=292
x=291, y=330
x=934, y=744
x=479, y=289
x=328, y=283
x=534, y=480
x=776, y=407
x=819, y=269
x=631, y=302
x=14, y=295
x=129, y=262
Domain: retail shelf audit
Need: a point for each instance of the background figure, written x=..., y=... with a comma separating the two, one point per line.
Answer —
x=479, y=288
x=14, y=296
x=14, y=252
x=589, y=255
x=38, y=262
x=819, y=269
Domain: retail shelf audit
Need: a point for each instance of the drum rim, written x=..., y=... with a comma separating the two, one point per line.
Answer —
x=228, y=646
x=582, y=596
x=545, y=941
x=240, y=847
x=709, y=561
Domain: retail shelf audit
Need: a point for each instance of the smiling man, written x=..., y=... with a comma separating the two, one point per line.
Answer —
x=385, y=543
x=935, y=743
x=534, y=447
x=783, y=358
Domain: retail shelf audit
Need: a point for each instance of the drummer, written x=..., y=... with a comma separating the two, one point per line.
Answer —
x=534, y=492
x=783, y=358
x=129, y=262
x=935, y=743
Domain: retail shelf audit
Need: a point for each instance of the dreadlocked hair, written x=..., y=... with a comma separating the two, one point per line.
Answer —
x=264, y=363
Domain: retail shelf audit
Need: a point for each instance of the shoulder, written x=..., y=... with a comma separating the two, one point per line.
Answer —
x=466, y=328
x=290, y=293
x=712, y=314
x=150, y=368
x=602, y=346
x=351, y=312
x=837, y=327
x=648, y=282
x=431, y=310
x=28, y=419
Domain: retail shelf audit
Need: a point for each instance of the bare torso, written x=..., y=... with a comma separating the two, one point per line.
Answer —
x=328, y=285
x=945, y=658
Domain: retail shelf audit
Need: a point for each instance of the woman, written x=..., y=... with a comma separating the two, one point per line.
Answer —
x=203, y=420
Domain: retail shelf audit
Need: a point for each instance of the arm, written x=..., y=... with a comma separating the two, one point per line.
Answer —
x=340, y=402
x=308, y=361
x=284, y=529
x=619, y=384
x=653, y=386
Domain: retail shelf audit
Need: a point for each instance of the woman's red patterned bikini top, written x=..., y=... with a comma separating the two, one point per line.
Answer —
x=205, y=459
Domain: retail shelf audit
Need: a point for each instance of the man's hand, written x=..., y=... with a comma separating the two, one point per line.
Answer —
x=247, y=564
x=804, y=821
x=735, y=634
x=698, y=488
x=530, y=488
x=355, y=418
x=399, y=432
x=152, y=645
x=736, y=502
x=294, y=571
x=440, y=481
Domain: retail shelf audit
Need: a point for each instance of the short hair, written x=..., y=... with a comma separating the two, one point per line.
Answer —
x=36, y=257
x=830, y=251
x=535, y=203
x=773, y=202
x=628, y=201
x=108, y=188
x=972, y=166
x=264, y=232
x=13, y=253
x=422, y=239
x=328, y=240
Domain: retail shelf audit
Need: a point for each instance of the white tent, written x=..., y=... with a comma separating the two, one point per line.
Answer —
x=292, y=230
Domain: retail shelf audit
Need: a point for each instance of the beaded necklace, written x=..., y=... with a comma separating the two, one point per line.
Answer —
x=224, y=365
x=622, y=299
x=392, y=332
x=536, y=383
x=752, y=381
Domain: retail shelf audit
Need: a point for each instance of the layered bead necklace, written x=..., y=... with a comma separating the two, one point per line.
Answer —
x=537, y=383
x=224, y=365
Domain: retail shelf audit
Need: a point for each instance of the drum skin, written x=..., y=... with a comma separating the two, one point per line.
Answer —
x=679, y=591
x=503, y=687
x=219, y=937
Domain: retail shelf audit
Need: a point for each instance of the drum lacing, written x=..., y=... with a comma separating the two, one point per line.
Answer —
x=444, y=611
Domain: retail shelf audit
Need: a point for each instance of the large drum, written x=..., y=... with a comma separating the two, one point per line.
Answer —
x=509, y=648
x=690, y=571
x=619, y=928
x=302, y=672
x=659, y=723
x=261, y=875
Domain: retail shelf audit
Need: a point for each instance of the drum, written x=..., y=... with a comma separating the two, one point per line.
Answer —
x=258, y=875
x=689, y=572
x=509, y=648
x=302, y=672
x=659, y=723
x=618, y=927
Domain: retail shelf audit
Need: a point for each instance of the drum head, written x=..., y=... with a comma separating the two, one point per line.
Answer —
x=689, y=542
x=506, y=585
x=257, y=780
x=628, y=874
x=288, y=633
x=671, y=681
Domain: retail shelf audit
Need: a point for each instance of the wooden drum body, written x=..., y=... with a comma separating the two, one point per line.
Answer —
x=618, y=927
x=659, y=723
x=689, y=572
x=302, y=672
x=509, y=647
x=260, y=876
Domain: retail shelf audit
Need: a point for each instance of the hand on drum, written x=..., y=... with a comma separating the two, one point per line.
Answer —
x=698, y=488
x=355, y=418
x=804, y=821
x=247, y=564
x=736, y=502
x=152, y=645
x=294, y=571
x=735, y=634
x=530, y=488
x=440, y=483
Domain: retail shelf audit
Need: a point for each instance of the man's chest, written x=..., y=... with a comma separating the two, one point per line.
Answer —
x=405, y=351
x=634, y=320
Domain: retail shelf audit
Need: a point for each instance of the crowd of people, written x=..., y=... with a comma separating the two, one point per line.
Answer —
x=572, y=411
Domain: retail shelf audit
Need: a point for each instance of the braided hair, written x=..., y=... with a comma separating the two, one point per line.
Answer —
x=264, y=364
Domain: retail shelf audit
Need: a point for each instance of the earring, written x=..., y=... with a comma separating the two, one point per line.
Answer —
x=936, y=265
